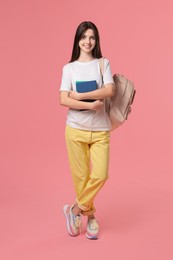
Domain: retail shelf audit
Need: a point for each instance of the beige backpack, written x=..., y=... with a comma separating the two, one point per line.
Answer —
x=119, y=105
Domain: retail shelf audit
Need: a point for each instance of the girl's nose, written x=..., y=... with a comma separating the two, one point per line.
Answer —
x=87, y=40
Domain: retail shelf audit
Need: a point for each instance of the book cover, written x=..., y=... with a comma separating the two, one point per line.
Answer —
x=86, y=86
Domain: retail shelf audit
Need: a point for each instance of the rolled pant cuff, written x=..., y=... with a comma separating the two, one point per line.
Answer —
x=89, y=212
x=86, y=211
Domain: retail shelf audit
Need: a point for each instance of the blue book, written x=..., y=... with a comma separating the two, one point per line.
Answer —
x=86, y=86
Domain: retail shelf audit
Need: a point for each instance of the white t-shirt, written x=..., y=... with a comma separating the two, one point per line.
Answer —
x=86, y=71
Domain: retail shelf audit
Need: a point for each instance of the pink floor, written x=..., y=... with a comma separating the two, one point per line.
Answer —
x=135, y=207
x=135, y=212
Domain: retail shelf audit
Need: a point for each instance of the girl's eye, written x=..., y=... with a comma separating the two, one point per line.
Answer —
x=92, y=37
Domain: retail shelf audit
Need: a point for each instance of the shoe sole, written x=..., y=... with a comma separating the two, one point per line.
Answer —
x=67, y=221
x=92, y=238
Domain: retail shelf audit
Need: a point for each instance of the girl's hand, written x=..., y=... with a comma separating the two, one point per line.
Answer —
x=97, y=105
x=75, y=95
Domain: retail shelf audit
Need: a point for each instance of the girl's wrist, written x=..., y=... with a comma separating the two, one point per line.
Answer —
x=79, y=97
x=91, y=105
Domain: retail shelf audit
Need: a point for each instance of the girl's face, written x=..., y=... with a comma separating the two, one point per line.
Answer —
x=88, y=41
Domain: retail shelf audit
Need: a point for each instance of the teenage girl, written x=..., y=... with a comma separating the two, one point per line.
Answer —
x=87, y=126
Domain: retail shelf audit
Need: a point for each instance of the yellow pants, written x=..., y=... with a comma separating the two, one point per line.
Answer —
x=88, y=153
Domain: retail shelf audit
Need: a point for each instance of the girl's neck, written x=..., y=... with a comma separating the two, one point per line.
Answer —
x=85, y=57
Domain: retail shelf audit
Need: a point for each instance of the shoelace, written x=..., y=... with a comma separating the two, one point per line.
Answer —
x=93, y=224
x=77, y=221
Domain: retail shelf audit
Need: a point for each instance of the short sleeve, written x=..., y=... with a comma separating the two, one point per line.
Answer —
x=107, y=76
x=66, y=79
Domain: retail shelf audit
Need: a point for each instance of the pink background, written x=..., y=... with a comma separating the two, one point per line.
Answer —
x=135, y=207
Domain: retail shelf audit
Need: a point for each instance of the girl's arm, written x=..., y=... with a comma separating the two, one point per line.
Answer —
x=67, y=101
x=101, y=93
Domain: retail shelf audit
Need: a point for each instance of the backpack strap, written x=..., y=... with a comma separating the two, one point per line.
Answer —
x=106, y=100
x=101, y=63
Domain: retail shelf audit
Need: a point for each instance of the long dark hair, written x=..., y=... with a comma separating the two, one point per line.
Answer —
x=81, y=29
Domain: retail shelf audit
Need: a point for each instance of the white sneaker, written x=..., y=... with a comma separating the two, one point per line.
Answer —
x=92, y=229
x=73, y=222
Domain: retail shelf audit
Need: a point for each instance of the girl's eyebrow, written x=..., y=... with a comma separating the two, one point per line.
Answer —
x=90, y=35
